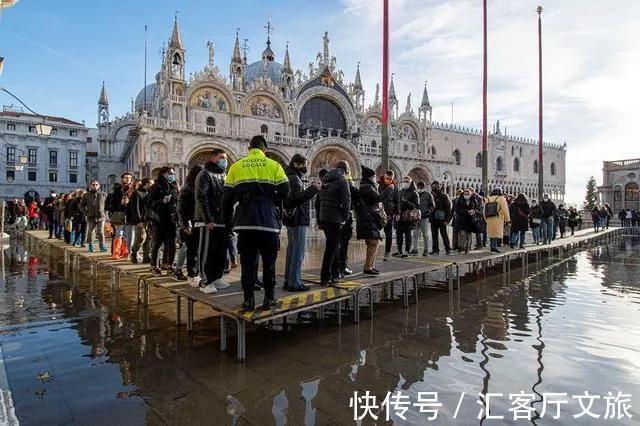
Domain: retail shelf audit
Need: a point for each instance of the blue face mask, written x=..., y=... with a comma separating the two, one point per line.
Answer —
x=171, y=177
x=222, y=163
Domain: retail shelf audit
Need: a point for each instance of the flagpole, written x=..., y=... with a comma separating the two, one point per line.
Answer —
x=540, y=164
x=144, y=108
x=485, y=136
x=385, y=86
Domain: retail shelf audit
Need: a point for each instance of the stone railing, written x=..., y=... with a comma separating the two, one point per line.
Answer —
x=176, y=98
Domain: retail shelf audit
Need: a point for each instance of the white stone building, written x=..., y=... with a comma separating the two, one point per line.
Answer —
x=621, y=184
x=178, y=120
x=55, y=162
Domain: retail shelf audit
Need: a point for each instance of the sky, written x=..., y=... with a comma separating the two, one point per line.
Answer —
x=58, y=53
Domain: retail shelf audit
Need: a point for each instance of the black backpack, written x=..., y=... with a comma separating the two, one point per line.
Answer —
x=491, y=208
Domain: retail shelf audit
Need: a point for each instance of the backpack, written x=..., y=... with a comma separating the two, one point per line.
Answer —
x=491, y=208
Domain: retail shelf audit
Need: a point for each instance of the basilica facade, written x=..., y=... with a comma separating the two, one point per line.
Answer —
x=178, y=119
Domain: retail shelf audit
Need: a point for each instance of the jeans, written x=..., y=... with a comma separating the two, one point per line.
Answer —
x=518, y=237
x=464, y=240
x=99, y=228
x=164, y=234
x=546, y=229
x=251, y=246
x=21, y=223
x=296, y=239
x=421, y=228
x=333, y=235
x=536, y=234
x=80, y=230
x=439, y=226
x=52, y=227
x=388, y=236
x=212, y=253
x=126, y=231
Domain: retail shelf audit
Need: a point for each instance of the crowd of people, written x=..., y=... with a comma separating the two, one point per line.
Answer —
x=196, y=230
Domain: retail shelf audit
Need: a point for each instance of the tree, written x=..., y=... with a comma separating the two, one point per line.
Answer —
x=591, y=197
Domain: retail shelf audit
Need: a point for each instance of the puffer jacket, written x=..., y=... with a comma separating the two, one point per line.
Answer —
x=297, y=206
x=335, y=200
x=409, y=200
x=369, y=199
x=441, y=202
x=465, y=221
x=390, y=200
x=136, y=207
x=209, y=192
x=548, y=209
x=92, y=205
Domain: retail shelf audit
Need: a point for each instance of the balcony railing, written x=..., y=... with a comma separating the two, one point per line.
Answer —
x=176, y=98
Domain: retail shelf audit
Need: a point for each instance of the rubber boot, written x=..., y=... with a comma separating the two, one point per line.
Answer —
x=90, y=249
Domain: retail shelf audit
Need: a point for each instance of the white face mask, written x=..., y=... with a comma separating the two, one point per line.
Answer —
x=406, y=185
x=422, y=191
x=467, y=196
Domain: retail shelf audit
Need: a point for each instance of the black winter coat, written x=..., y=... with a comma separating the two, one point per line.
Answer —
x=369, y=199
x=548, y=209
x=335, y=199
x=409, y=200
x=159, y=211
x=186, y=207
x=298, y=204
x=209, y=192
x=390, y=200
x=136, y=208
x=441, y=202
x=519, y=211
x=465, y=221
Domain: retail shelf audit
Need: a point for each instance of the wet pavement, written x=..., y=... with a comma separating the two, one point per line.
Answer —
x=74, y=353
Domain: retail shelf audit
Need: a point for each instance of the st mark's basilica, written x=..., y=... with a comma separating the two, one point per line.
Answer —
x=178, y=119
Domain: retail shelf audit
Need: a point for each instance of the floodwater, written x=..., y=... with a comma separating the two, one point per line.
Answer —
x=73, y=353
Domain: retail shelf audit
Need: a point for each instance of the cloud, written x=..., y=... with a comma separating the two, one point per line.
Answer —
x=591, y=63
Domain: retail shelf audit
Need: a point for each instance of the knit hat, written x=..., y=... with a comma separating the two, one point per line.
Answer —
x=367, y=172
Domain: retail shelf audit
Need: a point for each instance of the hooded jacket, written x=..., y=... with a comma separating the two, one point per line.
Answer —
x=92, y=205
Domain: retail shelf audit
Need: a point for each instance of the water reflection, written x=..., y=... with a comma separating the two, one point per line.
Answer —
x=558, y=330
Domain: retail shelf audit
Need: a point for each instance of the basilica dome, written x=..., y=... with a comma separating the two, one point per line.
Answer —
x=256, y=69
x=150, y=91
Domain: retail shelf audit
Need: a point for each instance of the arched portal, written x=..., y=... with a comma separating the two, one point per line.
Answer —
x=277, y=157
x=321, y=117
x=328, y=157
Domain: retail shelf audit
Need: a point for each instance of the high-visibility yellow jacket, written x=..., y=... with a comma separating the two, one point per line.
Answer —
x=257, y=186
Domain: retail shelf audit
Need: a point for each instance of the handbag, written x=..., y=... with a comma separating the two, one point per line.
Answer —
x=411, y=216
x=439, y=215
x=118, y=218
x=380, y=216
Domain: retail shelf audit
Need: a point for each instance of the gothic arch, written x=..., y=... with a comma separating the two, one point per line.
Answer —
x=413, y=124
x=392, y=166
x=346, y=152
x=283, y=109
x=420, y=172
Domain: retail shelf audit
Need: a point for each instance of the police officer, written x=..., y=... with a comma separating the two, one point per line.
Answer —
x=257, y=185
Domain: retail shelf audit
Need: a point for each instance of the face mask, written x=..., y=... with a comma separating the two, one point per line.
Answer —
x=421, y=191
x=303, y=170
x=53, y=195
x=406, y=185
x=546, y=198
x=170, y=177
x=467, y=196
x=222, y=163
x=435, y=189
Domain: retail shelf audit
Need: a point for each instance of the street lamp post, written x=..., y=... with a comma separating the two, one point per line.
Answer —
x=485, y=136
x=385, y=86
x=540, y=164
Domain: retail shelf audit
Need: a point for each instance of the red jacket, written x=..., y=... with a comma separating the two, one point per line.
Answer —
x=32, y=210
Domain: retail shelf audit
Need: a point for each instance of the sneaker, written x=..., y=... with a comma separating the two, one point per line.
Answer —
x=221, y=285
x=386, y=257
x=434, y=253
x=146, y=260
x=103, y=248
x=156, y=271
x=404, y=255
x=396, y=254
x=194, y=282
x=209, y=289
x=134, y=258
x=226, y=271
x=425, y=253
x=248, y=305
x=495, y=251
x=448, y=252
x=375, y=270
x=90, y=249
x=258, y=286
x=414, y=252
x=347, y=271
